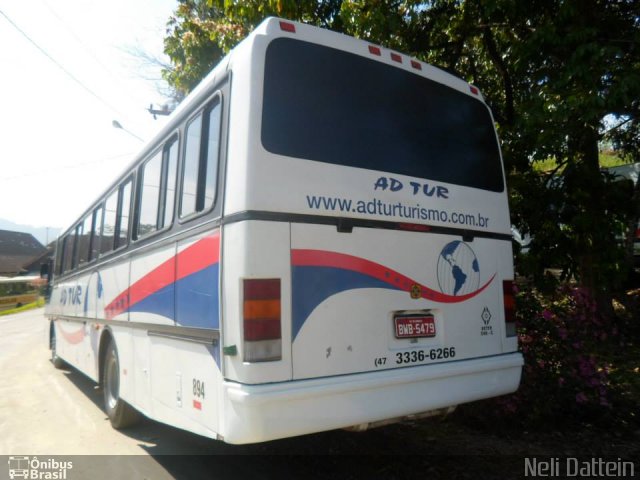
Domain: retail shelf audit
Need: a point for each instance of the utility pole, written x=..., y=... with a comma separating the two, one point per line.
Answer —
x=163, y=111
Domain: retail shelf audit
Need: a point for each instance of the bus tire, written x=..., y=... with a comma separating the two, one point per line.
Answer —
x=120, y=413
x=56, y=361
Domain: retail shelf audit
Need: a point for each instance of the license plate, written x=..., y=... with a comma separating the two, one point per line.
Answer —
x=415, y=326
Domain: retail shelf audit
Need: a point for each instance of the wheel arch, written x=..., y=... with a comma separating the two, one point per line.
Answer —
x=106, y=338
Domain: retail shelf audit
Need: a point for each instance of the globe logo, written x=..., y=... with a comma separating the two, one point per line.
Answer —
x=458, y=269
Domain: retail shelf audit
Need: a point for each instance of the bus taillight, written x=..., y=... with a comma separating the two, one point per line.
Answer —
x=287, y=27
x=261, y=320
x=509, y=307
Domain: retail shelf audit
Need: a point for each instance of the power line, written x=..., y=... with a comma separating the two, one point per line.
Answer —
x=64, y=167
x=80, y=42
x=60, y=66
x=90, y=52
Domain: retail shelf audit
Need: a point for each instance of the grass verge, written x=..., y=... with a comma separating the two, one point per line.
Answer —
x=29, y=306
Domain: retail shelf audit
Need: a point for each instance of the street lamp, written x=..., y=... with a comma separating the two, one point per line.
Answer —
x=117, y=124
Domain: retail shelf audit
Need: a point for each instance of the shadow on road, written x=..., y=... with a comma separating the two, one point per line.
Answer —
x=395, y=451
x=173, y=441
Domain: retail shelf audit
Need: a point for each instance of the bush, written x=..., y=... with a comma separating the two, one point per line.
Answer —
x=566, y=375
x=580, y=367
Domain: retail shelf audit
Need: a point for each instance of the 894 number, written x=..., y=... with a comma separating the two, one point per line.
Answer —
x=198, y=388
x=415, y=356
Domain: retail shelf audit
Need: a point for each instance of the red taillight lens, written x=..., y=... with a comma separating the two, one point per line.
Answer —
x=262, y=320
x=256, y=329
x=509, y=297
x=262, y=289
x=287, y=27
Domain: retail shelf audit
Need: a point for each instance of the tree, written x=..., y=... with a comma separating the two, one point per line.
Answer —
x=552, y=71
x=201, y=32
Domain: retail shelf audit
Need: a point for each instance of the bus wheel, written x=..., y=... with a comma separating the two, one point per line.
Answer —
x=121, y=414
x=55, y=359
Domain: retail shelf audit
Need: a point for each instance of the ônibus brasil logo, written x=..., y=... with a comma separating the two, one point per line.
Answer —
x=36, y=469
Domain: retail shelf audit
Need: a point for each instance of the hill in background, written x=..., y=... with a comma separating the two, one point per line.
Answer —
x=40, y=233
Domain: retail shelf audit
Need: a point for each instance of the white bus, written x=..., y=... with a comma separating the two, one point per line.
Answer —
x=318, y=239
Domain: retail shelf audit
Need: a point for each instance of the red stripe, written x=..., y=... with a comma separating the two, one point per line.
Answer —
x=321, y=258
x=200, y=255
x=153, y=281
x=203, y=253
x=73, y=338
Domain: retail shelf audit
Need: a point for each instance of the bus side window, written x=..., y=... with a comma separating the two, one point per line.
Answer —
x=76, y=247
x=201, y=160
x=191, y=163
x=169, y=185
x=212, y=146
x=157, y=190
x=59, y=250
x=150, y=177
x=95, y=233
x=68, y=250
x=123, y=217
x=109, y=226
x=84, y=238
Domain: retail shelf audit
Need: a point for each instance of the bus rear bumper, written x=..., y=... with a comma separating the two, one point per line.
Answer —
x=257, y=413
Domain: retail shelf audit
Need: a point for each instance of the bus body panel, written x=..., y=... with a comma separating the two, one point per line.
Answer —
x=255, y=413
x=351, y=192
x=76, y=339
x=255, y=250
x=159, y=374
x=142, y=371
x=151, y=286
x=197, y=287
x=351, y=248
x=347, y=287
x=76, y=343
x=185, y=384
x=94, y=293
x=113, y=296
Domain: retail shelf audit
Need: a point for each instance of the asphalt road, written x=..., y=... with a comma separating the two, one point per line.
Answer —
x=48, y=413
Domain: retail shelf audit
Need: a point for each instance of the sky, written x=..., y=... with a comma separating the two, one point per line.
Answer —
x=60, y=92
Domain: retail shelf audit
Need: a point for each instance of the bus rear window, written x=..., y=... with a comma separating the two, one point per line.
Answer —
x=332, y=106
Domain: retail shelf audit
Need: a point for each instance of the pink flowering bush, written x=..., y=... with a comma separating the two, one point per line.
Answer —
x=566, y=375
x=580, y=366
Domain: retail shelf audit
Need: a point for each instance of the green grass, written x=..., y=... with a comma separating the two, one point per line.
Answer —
x=29, y=306
x=607, y=159
x=610, y=159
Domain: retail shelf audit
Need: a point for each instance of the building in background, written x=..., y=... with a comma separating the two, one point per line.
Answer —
x=19, y=253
